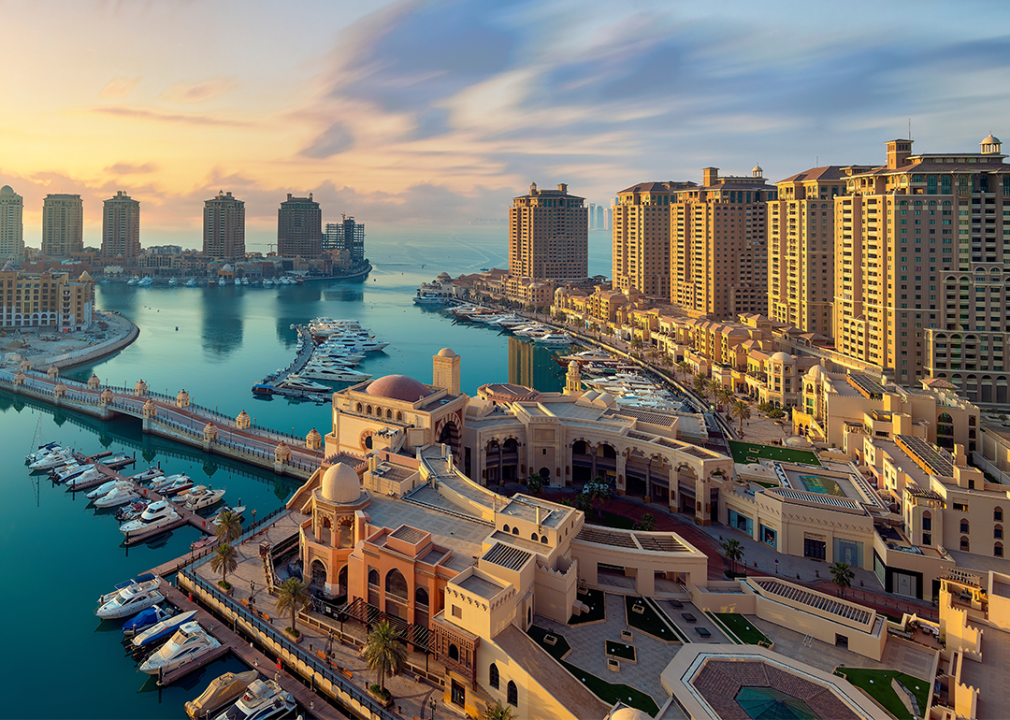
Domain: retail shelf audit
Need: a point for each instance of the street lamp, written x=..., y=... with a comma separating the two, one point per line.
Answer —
x=432, y=706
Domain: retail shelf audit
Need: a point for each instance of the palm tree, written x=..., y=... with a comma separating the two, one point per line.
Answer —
x=725, y=395
x=842, y=575
x=230, y=527
x=224, y=561
x=534, y=484
x=741, y=411
x=292, y=595
x=636, y=343
x=714, y=386
x=496, y=711
x=701, y=384
x=684, y=367
x=734, y=551
x=647, y=523
x=384, y=652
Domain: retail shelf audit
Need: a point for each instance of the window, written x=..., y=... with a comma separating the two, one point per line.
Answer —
x=457, y=612
x=997, y=514
x=492, y=676
x=961, y=507
x=997, y=550
x=964, y=526
x=453, y=650
x=997, y=532
x=513, y=694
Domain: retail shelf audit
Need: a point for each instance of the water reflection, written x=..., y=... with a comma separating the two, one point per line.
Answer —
x=222, y=320
x=533, y=366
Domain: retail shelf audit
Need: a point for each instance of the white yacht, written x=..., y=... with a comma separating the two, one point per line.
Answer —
x=65, y=472
x=158, y=514
x=131, y=600
x=85, y=476
x=189, y=643
x=53, y=460
x=531, y=330
x=191, y=282
x=173, y=282
x=222, y=282
x=333, y=374
x=200, y=497
x=148, y=580
x=119, y=495
x=43, y=451
x=554, y=339
x=267, y=282
x=106, y=488
x=215, y=519
x=428, y=299
x=174, y=485
x=146, y=281
x=238, y=281
x=362, y=345
x=263, y=699
x=133, y=281
x=295, y=382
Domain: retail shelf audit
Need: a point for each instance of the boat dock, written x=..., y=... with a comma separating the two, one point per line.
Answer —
x=268, y=385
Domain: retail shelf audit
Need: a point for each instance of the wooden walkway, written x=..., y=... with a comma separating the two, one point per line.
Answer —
x=314, y=704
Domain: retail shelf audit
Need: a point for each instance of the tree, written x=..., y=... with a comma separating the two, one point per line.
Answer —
x=741, y=411
x=647, y=523
x=684, y=367
x=701, y=384
x=496, y=711
x=292, y=596
x=842, y=576
x=636, y=343
x=230, y=527
x=599, y=489
x=584, y=502
x=725, y=395
x=224, y=561
x=384, y=652
x=534, y=484
x=733, y=551
x=594, y=328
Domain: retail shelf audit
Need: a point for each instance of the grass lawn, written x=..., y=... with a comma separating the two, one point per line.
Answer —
x=607, y=692
x=611, y=520
x=597, y=603
x=621, y=651
x=742, y=628
x=881, y=691
x=648, y=621
x=742, y=450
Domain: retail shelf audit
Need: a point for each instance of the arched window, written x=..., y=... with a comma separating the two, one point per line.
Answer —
x=359, y=407
x=453, y=652
x=997, y=550
x=997, y=514
x=421, y=596
x=515, y=531
x=513, y=694
x=492, y=676
x=368, y=410
x=396, y=585
x=506, y=528
x=964, y=526
x=373, y=577
x=389, y=414
x=965, y=544
x=997, y=532
x=534, y=537
x=543, y=539
x=927, y=521
x=399, y=416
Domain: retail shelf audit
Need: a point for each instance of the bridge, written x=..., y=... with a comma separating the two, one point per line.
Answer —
x=175, y=418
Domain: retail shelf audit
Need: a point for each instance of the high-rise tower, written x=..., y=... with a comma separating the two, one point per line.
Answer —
x=549, y=235
x=62, y=225
x=12, y=237
x=299, y=228
x=121, y=228
x=224, y=228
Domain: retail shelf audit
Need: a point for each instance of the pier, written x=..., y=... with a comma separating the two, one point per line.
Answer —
x=174, y=418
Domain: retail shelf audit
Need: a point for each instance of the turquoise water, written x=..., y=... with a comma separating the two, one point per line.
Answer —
x=62, y=554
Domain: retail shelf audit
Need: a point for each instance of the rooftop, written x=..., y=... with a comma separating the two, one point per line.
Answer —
x=481, y=587
x=506, y=556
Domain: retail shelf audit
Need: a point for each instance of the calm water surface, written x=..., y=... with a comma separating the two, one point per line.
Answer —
x=215, y=342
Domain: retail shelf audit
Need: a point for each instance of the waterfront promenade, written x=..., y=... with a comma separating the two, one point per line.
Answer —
x=175, y=418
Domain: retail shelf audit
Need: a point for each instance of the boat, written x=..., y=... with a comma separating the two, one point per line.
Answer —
x=162, y=629
x=172, y=282
x=263, y=699
x=215, y=519
x=222, y=282
x=189, y=643
x=119, y=495
x=68, y=471
x=144, y=619
x=532, y=330
x=52, y=460
x=267, y=282
x=146, y=281
x=428, y=299
x=222, y=690
x=43, y=451
x=133, y=281
x=132, y=511
x=158, y=514
x=148, y=476
x=554, y=339
x=200, y=500
x=333, y=374
x=359, y=345
x=131, y=600
x=175, y=487
x=136, y=580
x=294, y=382
x=191, y=282
x=158, y=483
x=245, y=280
x=106, y=488
x=83, y=477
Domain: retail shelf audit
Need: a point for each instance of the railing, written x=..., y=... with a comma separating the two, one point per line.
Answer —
x=300, y=656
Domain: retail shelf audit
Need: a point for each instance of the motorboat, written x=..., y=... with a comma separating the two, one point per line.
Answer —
x=149, y=475
x=200, y=500
x=333, y=374
x=362, y=345
x=267, y=282
x=146, y=281
x=176, y=486
x=131, y=600
x=222, y=690
x=238, y=281
x=106, y=488
x=162, y=630
x=245, y=280
x=172, y=282
x=119, y=495
x=215, y=519
x=68, y=471
x=428, y=299
x=133, y=281
x=43, y=451
x=530, y=331
x=158, y=514
x=222, y=282
x=144, y=619
x=158, y=483
x=142, y=579
x=554, y=340
x=263, y=699
x=132, y=511
x=189, y=643
x=83, y=477
x=295, y=382
x=191, y=282
x=52, y=460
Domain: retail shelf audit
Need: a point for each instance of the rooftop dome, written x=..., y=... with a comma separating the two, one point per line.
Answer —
x=85, y=277
x=446, y=352
x=398, y=387
x=781, y=357
x=991, y=139
x=340, y=484
x=590, y=395
x=815, y=372
x=444, y=276
x=629, y=713
x=604, y=400
x=6, y=190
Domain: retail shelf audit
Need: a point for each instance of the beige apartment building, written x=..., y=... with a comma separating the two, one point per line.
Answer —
x=299, y=228
x=641, y=237
x=121, y=228
x=62, y=225
x=801, y=249
x=224, y=228
x=920, y=286
x=549, y=235
x=718, y=251
x=12, y=239
x=47, y=299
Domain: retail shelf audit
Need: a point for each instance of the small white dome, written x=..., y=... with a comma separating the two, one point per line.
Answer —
x=629, y=713
x=340, y=484
x=815, y=373
x=781, y=357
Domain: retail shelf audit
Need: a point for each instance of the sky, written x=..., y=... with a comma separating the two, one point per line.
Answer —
x=407, y=113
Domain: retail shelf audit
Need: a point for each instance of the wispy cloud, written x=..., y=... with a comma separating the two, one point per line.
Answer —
x=118, y=87
x=141, y=113
x=198, y=92
x=123, y=168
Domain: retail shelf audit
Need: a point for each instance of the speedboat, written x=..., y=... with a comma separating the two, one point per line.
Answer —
x=238, y=281
x=106, y=488
x=119, y=495
x=215, y=519
x=222, y=690
x=131, y=600
x=263, y=699
x=149, y=475
x=202, y=499
x=173, y=282
x=138, y=580
x=85, y=476
x=162, y=629
x=146, y=281
x=189, y=643
x=222, y=282
x=43, y=451
x=333, y=374
x=191, y=282
x=295, y=382
x=158, y=514
x=68, y=471
x=132, y=511
x=180, y=483
x=133, y=281
x=52, y=460
x=554, y=339
x=144, y=619
x=267, y=282
x=428, y=299
x=245, y=280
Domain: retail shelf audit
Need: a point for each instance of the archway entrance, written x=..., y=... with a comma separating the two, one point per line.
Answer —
x=449, y=434
x=318, y=574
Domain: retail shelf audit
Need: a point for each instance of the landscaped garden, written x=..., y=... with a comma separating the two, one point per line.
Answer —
x=610, y=520
x=607, y=692
x=745, y=452
x=877, y=684
x=741, y=627
x=621, y=651
x=642, y=617
x=597, y=603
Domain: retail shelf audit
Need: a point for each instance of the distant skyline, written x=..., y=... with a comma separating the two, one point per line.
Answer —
x=441, y=112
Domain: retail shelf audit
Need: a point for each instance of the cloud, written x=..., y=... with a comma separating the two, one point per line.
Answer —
x=199, y=92
x=164, y=116
x=118, y=87
x=122, y=168
x=332, y=141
